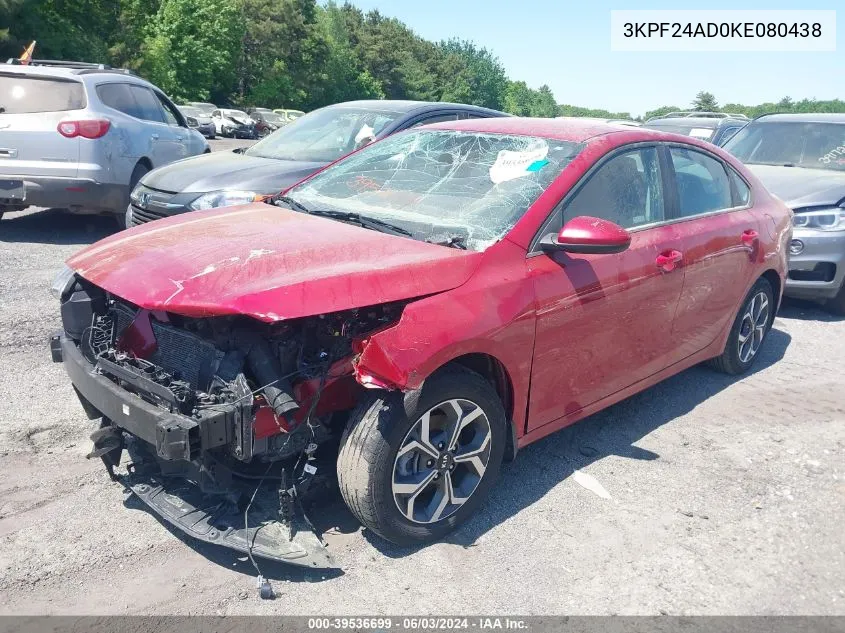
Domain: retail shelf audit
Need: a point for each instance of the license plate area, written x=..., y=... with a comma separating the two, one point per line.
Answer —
x=12, y=190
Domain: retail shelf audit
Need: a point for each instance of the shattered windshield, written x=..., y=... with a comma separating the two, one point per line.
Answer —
x=324, y=135
x=442, y=185
x=791, y=143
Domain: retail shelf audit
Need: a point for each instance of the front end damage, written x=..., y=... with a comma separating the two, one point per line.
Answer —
x=227, y=420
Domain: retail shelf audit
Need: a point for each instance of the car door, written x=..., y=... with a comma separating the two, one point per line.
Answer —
x=719, y=234
x=162, y=143
x=184, y=143
x=604, y=321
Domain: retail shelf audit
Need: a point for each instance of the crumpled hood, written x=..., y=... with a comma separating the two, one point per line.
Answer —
x=228, y=170
x=800, y=187
x=268, y=263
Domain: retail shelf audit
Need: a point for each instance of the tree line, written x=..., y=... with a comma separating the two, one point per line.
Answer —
x=290, y=53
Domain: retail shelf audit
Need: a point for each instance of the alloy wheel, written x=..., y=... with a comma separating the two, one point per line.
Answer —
x=753, y=326
x=441, y=461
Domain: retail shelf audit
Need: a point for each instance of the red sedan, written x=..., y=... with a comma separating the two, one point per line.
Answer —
x=431, y=303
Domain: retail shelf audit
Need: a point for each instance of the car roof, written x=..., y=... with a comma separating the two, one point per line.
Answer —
x=87, y=75
x=809, y=117
x=573, y=129
x=412, y=107
x=708, y=122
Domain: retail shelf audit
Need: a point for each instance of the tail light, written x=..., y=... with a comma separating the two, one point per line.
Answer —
x=86, y=128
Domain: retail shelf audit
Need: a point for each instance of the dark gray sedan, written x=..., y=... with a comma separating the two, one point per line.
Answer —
x=284, y=157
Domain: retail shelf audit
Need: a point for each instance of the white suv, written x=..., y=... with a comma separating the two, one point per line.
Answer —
x=80, y=136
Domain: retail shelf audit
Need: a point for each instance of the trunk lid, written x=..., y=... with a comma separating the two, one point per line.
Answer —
x=268, y=263
x=31, y=106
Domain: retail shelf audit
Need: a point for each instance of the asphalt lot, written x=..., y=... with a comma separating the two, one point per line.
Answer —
x=726, y=496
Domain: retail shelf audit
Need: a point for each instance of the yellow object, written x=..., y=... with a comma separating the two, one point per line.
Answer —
x=26, y=56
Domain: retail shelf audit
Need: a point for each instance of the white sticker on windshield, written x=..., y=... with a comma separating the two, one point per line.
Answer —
x=701, y=132
x=510, y=164
x=365, y=132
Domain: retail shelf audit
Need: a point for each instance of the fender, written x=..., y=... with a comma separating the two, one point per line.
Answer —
x=438, y=329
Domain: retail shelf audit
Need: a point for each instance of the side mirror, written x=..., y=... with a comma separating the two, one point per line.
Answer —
x=586, y=234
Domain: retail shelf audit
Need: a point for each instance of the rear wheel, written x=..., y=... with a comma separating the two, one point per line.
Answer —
x=412, y=467
x=749, y=330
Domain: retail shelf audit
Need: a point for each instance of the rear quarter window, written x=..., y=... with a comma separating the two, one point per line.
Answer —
x=119, y=97
x=20, y=94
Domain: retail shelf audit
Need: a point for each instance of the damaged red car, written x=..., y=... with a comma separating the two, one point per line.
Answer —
x=408, y=318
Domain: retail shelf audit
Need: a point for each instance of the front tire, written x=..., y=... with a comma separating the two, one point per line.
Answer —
x=413, y=467
x=749, y=330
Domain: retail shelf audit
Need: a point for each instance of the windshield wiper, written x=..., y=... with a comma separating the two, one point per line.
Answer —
x=344, y=216
x=452, y=241
x=287, y=200
x=361, y=220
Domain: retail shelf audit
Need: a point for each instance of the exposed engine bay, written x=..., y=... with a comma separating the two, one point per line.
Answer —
x=219, y=403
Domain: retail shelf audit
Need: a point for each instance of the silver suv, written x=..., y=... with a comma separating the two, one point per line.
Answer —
x=80, y=136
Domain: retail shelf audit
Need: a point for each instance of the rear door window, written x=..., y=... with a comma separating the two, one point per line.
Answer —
x=703, y=185
x=119, y=97
x=437, y=118
x=743, y=193
x=22, y=94
x=149, y=108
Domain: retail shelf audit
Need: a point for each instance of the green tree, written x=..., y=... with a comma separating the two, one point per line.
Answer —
x=345, y=79
x=705, y=102
x=544, y=104
x=283, y=31
x=64, y=29
x=660, y=111
x=191, y=45
x=519, y=98
x=480, y=78
x=786, y=104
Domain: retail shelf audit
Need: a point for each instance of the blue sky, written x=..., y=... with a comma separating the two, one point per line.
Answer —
x=567, y=46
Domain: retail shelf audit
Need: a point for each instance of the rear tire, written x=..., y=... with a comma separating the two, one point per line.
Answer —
x=413, y=486
x=749, y=330
x=139, y=172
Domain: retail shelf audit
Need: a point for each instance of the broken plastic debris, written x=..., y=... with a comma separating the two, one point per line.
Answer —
x=590, y=483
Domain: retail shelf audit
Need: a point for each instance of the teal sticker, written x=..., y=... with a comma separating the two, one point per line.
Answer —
x=537, y=165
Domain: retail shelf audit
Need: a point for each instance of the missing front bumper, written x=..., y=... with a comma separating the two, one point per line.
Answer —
x=219, y=521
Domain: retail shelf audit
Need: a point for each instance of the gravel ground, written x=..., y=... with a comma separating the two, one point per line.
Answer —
x=726, y=496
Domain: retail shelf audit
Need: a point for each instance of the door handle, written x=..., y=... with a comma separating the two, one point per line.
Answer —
x=154, y=137
x=749, y=237
x=668, y=259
